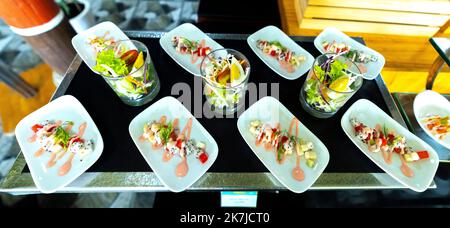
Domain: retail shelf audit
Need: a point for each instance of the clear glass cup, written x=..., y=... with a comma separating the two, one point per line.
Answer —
x=322, y=95
x=225, y=97
x=141, y=84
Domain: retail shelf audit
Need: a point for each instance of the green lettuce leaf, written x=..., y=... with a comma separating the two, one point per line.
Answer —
x=109, y=59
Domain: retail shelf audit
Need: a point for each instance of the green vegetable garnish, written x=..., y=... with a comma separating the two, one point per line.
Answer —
x=336, y=71
x=280, y=152
x=310, y=163
x=278, y=44
x=108, y=58
x=165, y=132
x=320, y=74
x=62, y=136
x=188, y=42
x=385, y=131
x=444, y=121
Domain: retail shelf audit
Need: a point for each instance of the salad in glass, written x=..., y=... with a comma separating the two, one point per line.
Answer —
x=127, y=67
x=332, y=80
x=225, y=75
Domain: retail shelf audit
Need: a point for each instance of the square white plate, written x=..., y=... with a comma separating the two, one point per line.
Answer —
x=190, y=32
x=165, y=171
x=371, y=115
x=270, y=110
x=272, y=33
x=84, y=49
x=330, y=34
x=65, y=108
x=430, y=102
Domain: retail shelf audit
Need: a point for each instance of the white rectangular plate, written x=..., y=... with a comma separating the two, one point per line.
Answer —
x=431, y=102
x=84, y=49
x=172, y=108
x=371, y=115
x=190, y=32
x=373, y=68
x=272, y=33
x=65, y=108
x=270, y=110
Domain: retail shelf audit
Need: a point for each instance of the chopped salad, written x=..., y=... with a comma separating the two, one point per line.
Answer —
x=437, y=125
x=288, y=59
x=100, y=43
x=284, y=143
x=381, y=139
x=167, y=135
x=191, y=47
x=347, y=51
x=57, y=139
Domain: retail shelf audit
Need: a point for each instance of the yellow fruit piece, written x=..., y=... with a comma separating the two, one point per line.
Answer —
x=340, y=84
x=139, y=61
x=235, y=72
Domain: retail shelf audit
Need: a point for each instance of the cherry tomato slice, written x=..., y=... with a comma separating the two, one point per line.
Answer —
x=35, y=128
x=203, y=157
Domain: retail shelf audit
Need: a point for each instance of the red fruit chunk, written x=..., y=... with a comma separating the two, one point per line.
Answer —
x=179, y=142
x=36, y=128
x=423, y=154
x=203, y=157
x=358, y=128
x=383, y=142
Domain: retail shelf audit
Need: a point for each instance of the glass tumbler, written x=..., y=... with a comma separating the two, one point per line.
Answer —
x=225, y=74
x=140, y=84
x=330, y=83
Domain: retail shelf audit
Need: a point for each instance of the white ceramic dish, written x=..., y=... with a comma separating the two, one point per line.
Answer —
x=330, y=34
x=371, y=115
x=84, y=49
x=172, y=108
x=270, y=110
x=272, y=33
x=65, y=108
x=190, y=32
x=430, y=102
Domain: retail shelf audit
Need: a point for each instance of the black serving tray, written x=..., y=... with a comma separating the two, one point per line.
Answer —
x=112, y=117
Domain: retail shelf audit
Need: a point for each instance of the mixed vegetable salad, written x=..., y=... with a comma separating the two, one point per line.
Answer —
x=288, y=59
x=124, y=68
x=329, y=84
x=225, y=77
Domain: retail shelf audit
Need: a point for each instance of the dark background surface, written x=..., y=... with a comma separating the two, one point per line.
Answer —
x=112, y=116
x=237, y=16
